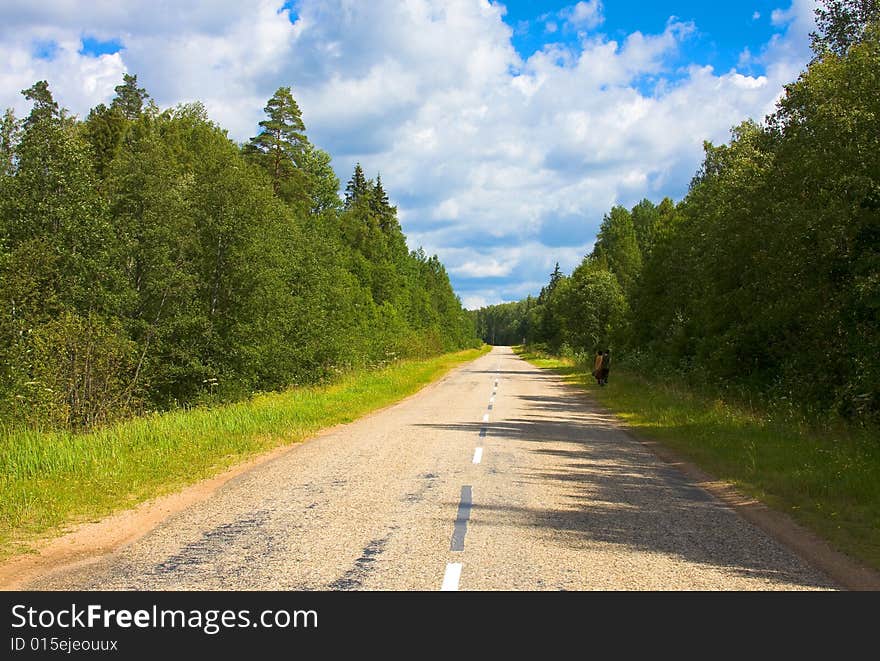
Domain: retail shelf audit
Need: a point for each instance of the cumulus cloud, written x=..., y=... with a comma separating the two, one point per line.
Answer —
x=501, y=164
x=584, y=15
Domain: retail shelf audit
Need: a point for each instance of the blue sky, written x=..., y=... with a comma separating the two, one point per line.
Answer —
x=723, y=29
x=502, y=131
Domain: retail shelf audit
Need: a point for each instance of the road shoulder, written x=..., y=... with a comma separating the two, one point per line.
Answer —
x=845, y=570
x=85, y=543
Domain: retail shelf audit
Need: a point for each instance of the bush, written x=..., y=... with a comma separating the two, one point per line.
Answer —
x=84, y=371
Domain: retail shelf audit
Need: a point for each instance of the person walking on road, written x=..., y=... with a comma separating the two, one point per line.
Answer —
x=597, y=367
x=604, y=368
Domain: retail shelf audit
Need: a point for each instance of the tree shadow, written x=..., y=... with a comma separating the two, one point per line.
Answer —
x=610, y=488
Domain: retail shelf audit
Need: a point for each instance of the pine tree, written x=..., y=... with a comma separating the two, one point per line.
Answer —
x=555, y=277
x=45, y=108
x=130, y=98
x=357, y=187
x=382, y=209
x=281, y=143
x=380, y=197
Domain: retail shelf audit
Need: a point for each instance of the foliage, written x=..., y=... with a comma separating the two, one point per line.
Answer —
x=54, y=477
x=148, y=262
x=765, y=278
x=842, y=23
x=824, y=476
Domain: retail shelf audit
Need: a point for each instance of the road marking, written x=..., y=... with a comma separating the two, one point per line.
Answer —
x=478, y=455
x=492, y=398
x=485, y=417
x=451, y=577
x=461, y=519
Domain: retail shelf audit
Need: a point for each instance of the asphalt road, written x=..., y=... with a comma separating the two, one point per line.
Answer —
x=468, y=485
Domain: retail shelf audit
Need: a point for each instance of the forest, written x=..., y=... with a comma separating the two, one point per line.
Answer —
x=148, y=262
x=765, y=277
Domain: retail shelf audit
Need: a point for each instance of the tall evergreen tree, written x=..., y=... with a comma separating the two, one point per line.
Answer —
x=384, y=212
x=555, y=277
x=45, y=108
x=129, y=101
x=357, y=187
x=281, y=144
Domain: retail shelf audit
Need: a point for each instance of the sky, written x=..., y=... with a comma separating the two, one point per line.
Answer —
x=502, y=131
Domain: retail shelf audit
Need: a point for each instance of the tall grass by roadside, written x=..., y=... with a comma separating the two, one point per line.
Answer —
x=826, y=478
x=48, y=479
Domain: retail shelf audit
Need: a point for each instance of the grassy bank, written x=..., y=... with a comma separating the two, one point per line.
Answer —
x=48, y=480
x=829, y=480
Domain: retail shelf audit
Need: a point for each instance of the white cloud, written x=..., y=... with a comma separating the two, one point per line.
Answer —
x=474, y=302
x=501, y=165
x=482, y=269
x=584, y=15
x=780, y=17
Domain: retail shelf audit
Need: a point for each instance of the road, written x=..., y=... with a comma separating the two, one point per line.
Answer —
x=498, y=477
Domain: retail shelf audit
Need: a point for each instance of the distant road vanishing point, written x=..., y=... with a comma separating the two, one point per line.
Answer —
x=498, y=477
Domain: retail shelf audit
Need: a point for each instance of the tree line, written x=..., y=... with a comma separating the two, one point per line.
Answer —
x=767, y=273
x=147, y=262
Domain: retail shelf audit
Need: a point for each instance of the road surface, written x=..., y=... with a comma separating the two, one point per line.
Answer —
x=498, y=477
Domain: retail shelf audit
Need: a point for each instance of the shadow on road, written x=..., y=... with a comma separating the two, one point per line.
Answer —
x=617, y=492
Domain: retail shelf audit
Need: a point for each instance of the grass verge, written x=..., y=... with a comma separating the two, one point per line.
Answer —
x=52, y=479
x=828, y=480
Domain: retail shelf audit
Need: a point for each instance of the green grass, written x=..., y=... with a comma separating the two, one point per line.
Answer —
x=828, y=480
x=51, y=479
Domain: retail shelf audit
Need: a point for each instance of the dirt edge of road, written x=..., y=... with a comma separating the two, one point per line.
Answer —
x=88, y=542
x=843, y=569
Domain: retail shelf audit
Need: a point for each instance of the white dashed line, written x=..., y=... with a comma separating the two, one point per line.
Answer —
x=485, y=417
x=451, y=577
x=478, y=455
x=492, y=399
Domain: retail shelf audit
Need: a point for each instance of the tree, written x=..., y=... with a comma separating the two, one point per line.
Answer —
x=382, y=209
x=357, y=187
x=645, y=217
x=842, y=23
x=555, y=277
x=148, y=262
x=323, y=182
x=281, y=144
x=104, y=128
x=129, y=101
x=548, y=320
x=45, y=108
x=10, y=133
x=618, y=245
x=592, y=308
